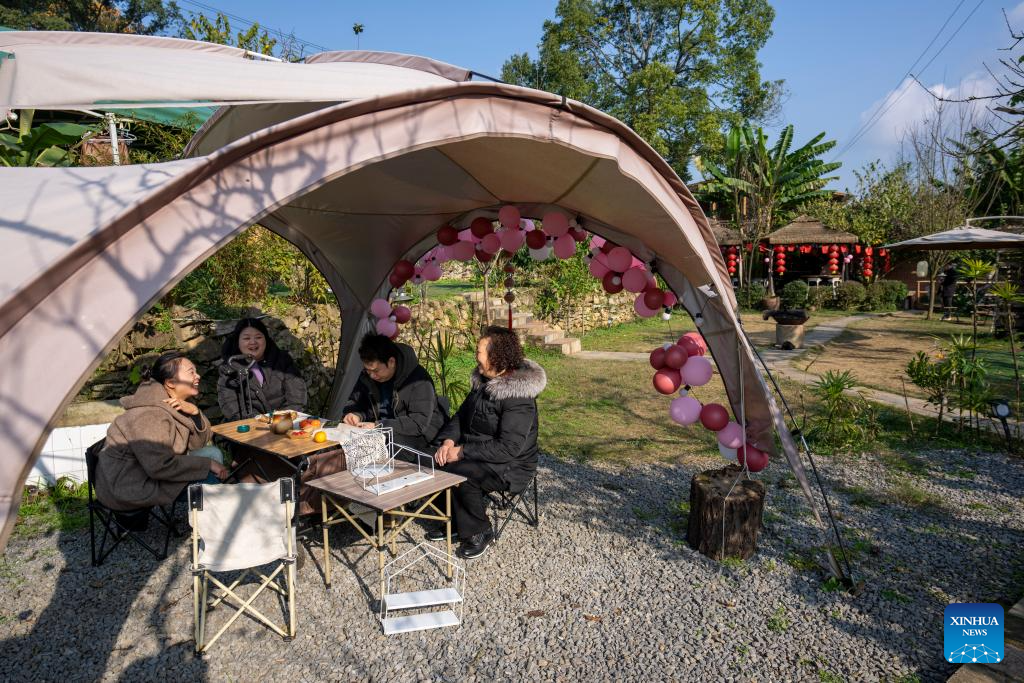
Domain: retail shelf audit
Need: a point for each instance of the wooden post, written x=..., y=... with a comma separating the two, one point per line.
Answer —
x=721, y=527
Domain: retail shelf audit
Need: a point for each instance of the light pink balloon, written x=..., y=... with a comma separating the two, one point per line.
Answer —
x=670, y=299
x=685, y=410
x=380, y=308
x=731, y=436
x=697, y=371
x=491, y=243
x=596, y=242
x=555, y=223
x=417, y=278
x=565, y=246
x=443, y=254
x=463, y=251
x=598, y=268
x=619, y=259
x=512, y=240
x=541, y=254
x=468, y=236
x=387, y=327
x=641, y=308
x=528, y=225
x=432, y=272
x=652, y=282
x=637, y=263
x=509, y=217
x=634, y=280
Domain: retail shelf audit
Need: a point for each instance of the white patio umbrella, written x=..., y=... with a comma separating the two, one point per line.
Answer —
x=962, y=238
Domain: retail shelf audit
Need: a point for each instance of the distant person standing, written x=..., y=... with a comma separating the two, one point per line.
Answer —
x=949, y=280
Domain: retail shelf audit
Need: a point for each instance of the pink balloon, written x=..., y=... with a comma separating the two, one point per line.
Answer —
x=565, y=246
x=697, y=371
x=667, y=381
x=619, y=259
x=417, y=279
x=468, y=236
x=512, y=240
x=670, y=299
x=463, y=250
x=634, y=280
x=731, y=435
x=598, y=268
x=685, y=410
x=637, y=263
x=509, y=217
x=691, y=347
x=596, y=242
x=387, y=327
x=380, y=308
x=641, y=308
x=698, y=340
x=555, y=223
x=491, y=243
x=402, y=314
x=432, y=272
x=528, y=225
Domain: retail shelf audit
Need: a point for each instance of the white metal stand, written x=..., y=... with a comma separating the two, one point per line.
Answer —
x=370, y=457
x=450, y=597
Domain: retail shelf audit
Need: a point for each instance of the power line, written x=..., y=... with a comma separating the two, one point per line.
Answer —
x=248, y=22
x=879, y=112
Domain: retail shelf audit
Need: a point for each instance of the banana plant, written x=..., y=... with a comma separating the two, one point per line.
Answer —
x=1009, y=294
x=974, y=270
x=48, y=144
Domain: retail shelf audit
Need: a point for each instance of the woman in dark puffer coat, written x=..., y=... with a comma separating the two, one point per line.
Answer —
x=492, y=440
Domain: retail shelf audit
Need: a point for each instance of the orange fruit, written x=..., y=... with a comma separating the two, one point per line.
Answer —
x=320, y=437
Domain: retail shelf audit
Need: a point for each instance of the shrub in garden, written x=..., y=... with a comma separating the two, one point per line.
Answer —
x=846, y=421
x=895, y=292
x=850, y=296
x=750, y=297
x=875, y=298
x=794, y=295
x=819, y=297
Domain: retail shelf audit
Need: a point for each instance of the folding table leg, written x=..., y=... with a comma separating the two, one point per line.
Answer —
x=327, y=543
x=381, y=549
x=448, y=529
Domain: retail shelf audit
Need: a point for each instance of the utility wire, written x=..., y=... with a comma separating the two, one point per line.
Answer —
x=890, y=101
x=248, y=22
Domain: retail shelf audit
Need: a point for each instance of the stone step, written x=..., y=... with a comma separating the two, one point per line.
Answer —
x=565, y=345
x=544, y=335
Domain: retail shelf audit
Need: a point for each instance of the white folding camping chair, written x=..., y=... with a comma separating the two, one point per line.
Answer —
x=241, y=527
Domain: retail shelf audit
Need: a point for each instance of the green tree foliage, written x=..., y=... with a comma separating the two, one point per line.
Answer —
x=200, y=27
x=847, y=421
x=145, y=17
x=676, y=71
x=878, y=211
x=761, y=184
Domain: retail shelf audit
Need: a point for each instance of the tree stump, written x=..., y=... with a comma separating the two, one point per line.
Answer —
x=740, y=512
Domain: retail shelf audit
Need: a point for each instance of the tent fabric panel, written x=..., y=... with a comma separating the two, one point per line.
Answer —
x=414, y=62
x=963, y=238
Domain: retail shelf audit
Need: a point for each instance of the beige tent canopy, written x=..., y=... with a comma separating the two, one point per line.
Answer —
x=356, y=187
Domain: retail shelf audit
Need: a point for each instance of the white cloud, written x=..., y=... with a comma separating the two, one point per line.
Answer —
x=910, y=104
x=1016, y=16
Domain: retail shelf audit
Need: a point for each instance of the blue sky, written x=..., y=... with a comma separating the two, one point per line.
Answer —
x=839, y=59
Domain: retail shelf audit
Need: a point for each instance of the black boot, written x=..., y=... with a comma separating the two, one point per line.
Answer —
x=476, y=545
x=439, y=534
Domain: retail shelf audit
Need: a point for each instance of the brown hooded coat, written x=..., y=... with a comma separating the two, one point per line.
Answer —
x=145, y=460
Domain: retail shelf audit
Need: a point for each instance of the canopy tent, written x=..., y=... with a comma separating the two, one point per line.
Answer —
x=356, y=187
x=965, y=237
x=807, y=230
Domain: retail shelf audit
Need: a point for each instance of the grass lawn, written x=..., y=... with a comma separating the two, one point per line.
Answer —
x=443, y=290
x=877, y=351
x=646, y=334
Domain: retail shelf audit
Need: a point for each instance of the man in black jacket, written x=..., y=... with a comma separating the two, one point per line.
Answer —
x=394, y=390
x=492, y=440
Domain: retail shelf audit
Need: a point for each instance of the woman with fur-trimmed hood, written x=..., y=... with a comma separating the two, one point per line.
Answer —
x=492, y=440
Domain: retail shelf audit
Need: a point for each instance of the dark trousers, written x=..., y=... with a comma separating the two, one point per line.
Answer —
x=468, y=509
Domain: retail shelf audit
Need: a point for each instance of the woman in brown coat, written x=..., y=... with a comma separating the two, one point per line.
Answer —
x=145, y=460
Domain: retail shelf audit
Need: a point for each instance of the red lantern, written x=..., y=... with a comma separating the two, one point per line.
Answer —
x=780, y=270
x=883, y=252
x=856, y=248
x=790, y=248
x=732, y=249
x=844, y=249
x=732, y=270
x=868, y=273
x=824, y=250
x=869, y=250
x=779, y=248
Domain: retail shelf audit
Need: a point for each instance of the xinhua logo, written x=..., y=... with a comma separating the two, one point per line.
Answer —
x=973, y=633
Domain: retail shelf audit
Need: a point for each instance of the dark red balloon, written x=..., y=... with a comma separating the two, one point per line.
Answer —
x=714, y=416
x=483, y=256
x=675, y=356
x=654, y=298
x=754, y=458
x=609, y=285
x=404, y=269
x=536, y=239
x=447, y=235
x=481, y=227
x=658, y=358
x=396, y=281
x=667, y=381
x=578, y=234
x=690, y=346
x=607, y=247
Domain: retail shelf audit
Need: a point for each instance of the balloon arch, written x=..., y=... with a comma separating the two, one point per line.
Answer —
x=679, y=367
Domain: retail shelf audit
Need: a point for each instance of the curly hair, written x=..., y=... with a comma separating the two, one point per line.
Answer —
x=504, y=352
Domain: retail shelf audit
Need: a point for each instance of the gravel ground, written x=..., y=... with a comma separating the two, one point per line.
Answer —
x=605, y=589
